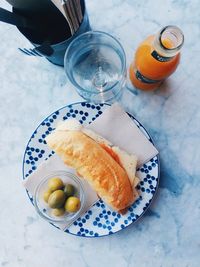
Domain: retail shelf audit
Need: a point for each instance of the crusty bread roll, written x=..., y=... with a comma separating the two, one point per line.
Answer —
x=96, y=165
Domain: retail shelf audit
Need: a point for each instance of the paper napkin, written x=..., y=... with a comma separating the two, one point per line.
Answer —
x=118, y=128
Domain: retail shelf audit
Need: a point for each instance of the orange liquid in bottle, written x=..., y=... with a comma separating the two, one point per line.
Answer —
x=148, y=71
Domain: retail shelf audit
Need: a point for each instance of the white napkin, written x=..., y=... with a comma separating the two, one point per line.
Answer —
x=118, y=128
x=56, y=164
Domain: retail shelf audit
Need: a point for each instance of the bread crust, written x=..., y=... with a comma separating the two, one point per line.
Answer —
x=94, y=164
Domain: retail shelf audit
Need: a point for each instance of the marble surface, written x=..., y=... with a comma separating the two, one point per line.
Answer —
x=31, y=88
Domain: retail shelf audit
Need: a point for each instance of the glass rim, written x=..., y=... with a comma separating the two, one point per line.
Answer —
x=160, y=38
x=44, y=179
x=122, y=58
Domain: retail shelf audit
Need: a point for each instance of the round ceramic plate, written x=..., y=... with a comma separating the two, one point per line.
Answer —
x=100, y=220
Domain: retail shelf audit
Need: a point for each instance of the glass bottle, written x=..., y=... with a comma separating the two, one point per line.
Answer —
x=156, y=58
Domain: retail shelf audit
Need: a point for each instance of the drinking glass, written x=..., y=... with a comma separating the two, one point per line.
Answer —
x=95, y=63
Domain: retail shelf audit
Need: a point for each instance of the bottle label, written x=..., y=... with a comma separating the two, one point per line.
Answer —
x=144, y=79
x=159, y=57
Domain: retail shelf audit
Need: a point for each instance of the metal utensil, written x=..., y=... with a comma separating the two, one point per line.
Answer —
x=78, y=10
x=72, y=11
x=29, y=52
x=44, y=49
x=17, y=20
x=31, y=6
x=68, y=15
x=62, y=8
x=71, y=8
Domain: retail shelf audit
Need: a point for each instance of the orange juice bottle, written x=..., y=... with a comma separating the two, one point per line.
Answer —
x=156, y=58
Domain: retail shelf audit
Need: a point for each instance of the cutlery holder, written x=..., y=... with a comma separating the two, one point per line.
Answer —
x=58, y=36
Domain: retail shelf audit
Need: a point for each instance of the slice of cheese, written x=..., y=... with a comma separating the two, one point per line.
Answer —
x=129, y=163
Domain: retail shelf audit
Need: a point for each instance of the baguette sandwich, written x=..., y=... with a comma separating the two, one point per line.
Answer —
x=109, y=170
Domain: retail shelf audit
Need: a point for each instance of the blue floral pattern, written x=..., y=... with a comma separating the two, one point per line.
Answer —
x=100, y=220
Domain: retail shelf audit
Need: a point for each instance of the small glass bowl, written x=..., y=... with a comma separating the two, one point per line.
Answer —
x=42, y=207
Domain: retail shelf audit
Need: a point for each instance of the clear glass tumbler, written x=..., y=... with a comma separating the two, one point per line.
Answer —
x=95, y=63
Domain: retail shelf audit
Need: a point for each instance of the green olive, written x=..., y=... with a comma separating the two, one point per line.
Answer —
x=46, y=195
x=58, y=212
x=55, y=184
x=69, y=190
x=72, y=204
x=56, y=199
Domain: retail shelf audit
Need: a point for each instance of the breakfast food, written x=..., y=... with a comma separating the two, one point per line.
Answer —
x=60, y=197
x=56, y=199
x=69, y=190
x=55, y=183
x=58, y=212
x=108, y=169
x=46, y=195
x=72, y=204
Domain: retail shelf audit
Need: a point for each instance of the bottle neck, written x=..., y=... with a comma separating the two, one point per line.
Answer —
x=168, y=42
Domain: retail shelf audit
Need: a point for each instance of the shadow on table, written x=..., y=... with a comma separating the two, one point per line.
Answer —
x=151, y=211
x=166, y=180
x=138, y=226
x=166, y=88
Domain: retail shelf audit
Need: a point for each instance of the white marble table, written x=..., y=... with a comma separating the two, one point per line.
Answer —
x=31, y=88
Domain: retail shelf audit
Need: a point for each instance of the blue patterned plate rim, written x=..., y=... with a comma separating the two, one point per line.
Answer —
x=150, y=138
